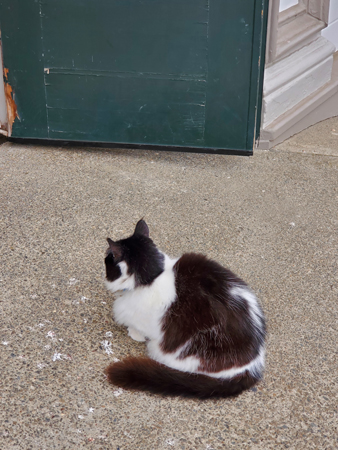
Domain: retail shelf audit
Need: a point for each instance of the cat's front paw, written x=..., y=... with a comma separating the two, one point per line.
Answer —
x=136, y=335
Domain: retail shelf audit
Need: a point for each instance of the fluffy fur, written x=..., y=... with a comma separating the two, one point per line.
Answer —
x=204, y=328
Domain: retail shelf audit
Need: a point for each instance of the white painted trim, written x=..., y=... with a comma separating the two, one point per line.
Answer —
x=319, y=9
x=297, y=33
x=286, y=70
x=300, y=84
x=291, y=14
x=319, y=106
x=294, y=78
x=331, y=33
x=272, y=29
x=333, y=11
x=286, y=4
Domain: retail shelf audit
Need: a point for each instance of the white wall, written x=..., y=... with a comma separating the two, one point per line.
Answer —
x=331, y=31
x=285, y=4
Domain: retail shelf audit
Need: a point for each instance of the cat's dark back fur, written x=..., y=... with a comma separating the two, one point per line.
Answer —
x=206, y=314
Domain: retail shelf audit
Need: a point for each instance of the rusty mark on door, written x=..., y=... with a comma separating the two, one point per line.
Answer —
x=12, y=110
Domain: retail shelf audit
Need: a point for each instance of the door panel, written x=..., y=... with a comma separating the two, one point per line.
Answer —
x=150, y=72
x=148, y=36
x=165, y=110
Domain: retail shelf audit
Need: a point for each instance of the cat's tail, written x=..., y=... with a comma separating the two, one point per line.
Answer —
x=145, y=374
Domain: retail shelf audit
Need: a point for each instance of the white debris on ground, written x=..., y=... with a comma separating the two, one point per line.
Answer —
x=107, y=347
x=118, y=392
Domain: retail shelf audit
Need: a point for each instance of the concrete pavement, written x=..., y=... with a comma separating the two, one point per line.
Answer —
x=272, y=218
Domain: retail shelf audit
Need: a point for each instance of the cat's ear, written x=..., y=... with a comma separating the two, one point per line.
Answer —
x=141, y=228
x=115, y=248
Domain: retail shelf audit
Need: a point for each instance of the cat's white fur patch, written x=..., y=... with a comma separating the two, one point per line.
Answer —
x=191, y=363
x=125, y=281
x=134, y=334
x=188, y=364
x=255, y=367
x=143, y=308
x=239, y=292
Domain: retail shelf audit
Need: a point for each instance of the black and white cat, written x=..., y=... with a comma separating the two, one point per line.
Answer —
x=204, y=328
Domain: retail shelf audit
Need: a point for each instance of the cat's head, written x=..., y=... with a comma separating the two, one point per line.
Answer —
x=134, y=261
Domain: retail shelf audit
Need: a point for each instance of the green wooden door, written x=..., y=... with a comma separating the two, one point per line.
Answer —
x=177, y=73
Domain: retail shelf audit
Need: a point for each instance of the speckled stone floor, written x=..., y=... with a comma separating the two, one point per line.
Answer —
x=272, y=218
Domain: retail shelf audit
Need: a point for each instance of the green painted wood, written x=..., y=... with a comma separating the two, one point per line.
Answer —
x=230, y=49
x=172, y=73
x=147, y=109
x=259, y=53
x=257, y=72
x=146, y=36
x=22, y=56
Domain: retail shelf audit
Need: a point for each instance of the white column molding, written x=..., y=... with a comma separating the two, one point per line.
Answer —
x=294, y=78
x=301, y=74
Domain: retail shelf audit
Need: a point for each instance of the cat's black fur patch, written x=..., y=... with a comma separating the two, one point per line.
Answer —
x=149, y=375
x=113, y=271
x=141, y=255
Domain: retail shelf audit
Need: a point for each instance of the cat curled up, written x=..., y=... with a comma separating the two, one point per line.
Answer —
x=204, y=328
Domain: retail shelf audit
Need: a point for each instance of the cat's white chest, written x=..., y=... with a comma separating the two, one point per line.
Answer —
x=144, y=307
x=133, y=310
